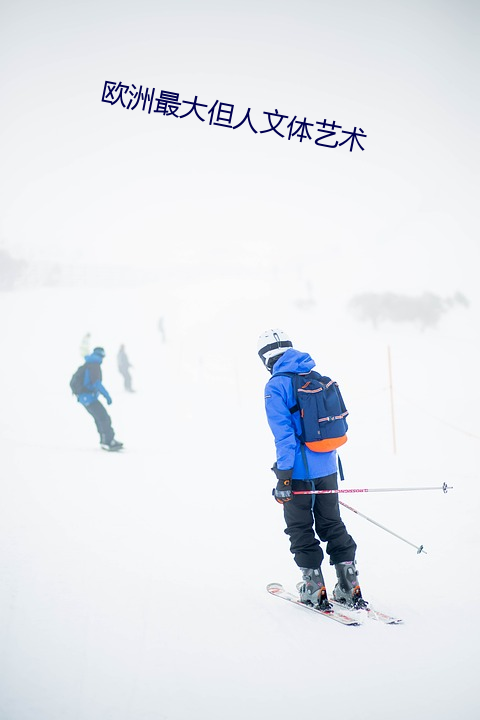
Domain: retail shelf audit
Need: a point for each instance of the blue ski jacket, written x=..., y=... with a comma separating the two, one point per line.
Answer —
x=93, y=381
x=286, y=427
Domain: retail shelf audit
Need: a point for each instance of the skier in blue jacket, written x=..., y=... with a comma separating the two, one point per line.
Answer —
x=309, y=518
x=92, y=388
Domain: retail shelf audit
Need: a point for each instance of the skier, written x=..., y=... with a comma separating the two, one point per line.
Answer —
x=85, y=345
x=161, y=329
x=88, y=397
x=123, y=364
x=308, y=518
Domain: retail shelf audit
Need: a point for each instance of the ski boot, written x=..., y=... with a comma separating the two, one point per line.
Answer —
x=347, y=590
x=312, y=589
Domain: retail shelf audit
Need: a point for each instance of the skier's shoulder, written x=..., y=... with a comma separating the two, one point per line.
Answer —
x=278, y=387
x=277, y=380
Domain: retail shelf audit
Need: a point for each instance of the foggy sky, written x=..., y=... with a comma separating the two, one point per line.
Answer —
x=84, y=181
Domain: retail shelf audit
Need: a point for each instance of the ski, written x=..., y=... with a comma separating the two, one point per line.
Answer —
x=371, y=613
x=336, y=613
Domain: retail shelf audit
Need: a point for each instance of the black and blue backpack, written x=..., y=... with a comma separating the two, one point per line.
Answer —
x=77, y=382
x=322, y=410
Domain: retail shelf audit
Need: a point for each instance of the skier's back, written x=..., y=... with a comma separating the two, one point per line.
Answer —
x=298, y=468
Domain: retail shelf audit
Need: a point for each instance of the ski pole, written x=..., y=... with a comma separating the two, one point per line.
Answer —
x=419, y=548
x=443, y=487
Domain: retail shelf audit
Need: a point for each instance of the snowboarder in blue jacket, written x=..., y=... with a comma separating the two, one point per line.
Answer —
x=309, y=518
x=92, y=388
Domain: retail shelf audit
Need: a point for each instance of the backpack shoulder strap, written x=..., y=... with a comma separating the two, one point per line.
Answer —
x=86, y=376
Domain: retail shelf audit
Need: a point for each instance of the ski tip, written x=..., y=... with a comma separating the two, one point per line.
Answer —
x=274, y=587
x=383, y=617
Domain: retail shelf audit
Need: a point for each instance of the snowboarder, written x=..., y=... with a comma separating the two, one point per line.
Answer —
x=88, y=397
x=123, y=366
x=308, y=518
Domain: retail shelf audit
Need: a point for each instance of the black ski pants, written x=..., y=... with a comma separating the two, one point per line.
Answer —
x=310, y=517
x=102, y=421
x=127, y=379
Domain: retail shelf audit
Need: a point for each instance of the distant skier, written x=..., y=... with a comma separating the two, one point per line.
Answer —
x=124, y=368
x=85, y=345
x=87, y=385
x=161, y=329
x=300, y=468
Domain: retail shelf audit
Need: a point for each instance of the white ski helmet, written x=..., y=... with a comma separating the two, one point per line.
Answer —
x=271, y=344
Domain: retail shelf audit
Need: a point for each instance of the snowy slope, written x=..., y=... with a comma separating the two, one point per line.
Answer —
x=133, y=585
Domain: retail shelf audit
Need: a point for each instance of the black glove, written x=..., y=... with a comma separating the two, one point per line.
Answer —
x=283, y=492
x=282, y=474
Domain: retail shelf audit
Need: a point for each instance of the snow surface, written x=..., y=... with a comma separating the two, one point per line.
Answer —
x=133, y=585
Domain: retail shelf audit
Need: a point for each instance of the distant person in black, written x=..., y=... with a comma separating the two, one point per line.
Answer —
x=124, y=368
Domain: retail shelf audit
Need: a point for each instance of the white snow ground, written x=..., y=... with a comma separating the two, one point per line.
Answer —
x=132, y=586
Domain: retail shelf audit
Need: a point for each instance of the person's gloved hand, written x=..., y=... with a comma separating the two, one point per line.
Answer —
x=108, y=399
x=283, y=492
